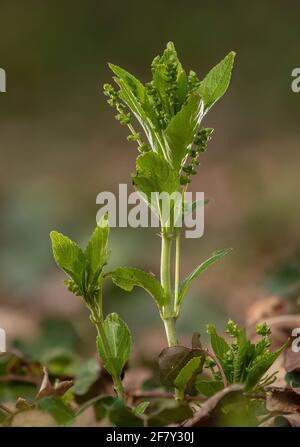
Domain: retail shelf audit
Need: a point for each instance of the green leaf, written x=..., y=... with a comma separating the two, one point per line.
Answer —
x=97, y=251
x=184, y=286
x=88, y=374
x=132, y=92
x=141, y=408
x=220, y=348
x=215, y=84
x=119, y=344
x=154, y=175
x=69, y=257
x=260, y=366
x=186, y=373
x=242, y=356
x=58, y=409
x=182, y=85
x=181, y=130
x=208, y=387
x=122, y=416
x=172, y=360
x=128, y=277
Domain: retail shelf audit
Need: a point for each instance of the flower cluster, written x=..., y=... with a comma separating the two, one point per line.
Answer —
x=201, y=140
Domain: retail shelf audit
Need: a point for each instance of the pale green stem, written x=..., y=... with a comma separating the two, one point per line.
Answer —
x=168, y=316
x=177, y=271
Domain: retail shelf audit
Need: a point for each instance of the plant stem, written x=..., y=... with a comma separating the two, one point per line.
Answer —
x=177, y=271
x=165, y=266
x=168, y=316
x=170, y=328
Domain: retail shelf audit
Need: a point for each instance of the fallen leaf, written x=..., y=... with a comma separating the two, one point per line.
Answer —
x=205, y=416
x=282, y=400
x=47, y=389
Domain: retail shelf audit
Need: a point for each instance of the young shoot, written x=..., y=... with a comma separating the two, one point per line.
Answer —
x=164, y=117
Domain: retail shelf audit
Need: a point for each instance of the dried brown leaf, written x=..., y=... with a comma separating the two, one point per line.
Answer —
x=205, y=416
x=283, y=400
x=47, y=389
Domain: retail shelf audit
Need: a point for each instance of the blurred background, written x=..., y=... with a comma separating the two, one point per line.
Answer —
x=61, y=146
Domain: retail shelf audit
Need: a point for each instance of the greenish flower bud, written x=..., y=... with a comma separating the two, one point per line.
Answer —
x=263, y=329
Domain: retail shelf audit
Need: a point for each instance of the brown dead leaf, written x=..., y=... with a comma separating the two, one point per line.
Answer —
x=292, y=361
x=205, y=416
x=283, y=400
x=47, y=389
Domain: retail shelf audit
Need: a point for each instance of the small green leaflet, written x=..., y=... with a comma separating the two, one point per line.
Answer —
x=133, y=94
x=199, y=270
x=244, y=352
x=216, y=82
x=128, y=277
x=97, y=252
x=154, y=175
x=186, y=373
x=220, y=347
x=172, y=360
x=119, y=344
x=141, y=408
x=260, y=366
x=88, y=374
x=69, y=257
x=181, y=130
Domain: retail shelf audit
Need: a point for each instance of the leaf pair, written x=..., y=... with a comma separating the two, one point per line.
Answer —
x=129, y=277
x=82, y=267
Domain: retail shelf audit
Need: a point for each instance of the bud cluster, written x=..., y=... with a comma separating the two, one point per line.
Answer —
x=123, y=117
x=200, y=142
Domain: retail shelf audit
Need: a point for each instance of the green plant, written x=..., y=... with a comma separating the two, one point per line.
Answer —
x=85, y=278
x=169, y=109
x=241, y=361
